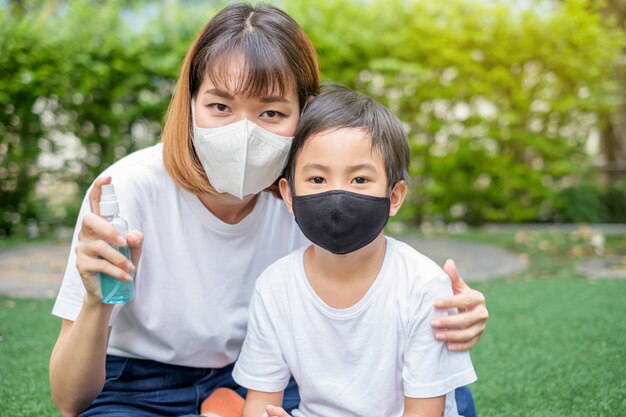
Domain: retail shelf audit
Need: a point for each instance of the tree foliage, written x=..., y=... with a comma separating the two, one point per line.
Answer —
x=498, y=100
x=77, y=93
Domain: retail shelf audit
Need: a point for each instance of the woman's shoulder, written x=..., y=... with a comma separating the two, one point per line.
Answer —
x=139, y=162
x=142, y=169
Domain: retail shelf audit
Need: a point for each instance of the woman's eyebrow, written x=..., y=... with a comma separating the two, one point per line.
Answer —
x=273, y=99
x=226, y=95
x=219, y=93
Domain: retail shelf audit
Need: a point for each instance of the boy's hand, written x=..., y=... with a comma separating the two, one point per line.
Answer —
x=272, y=411
x=461, y=331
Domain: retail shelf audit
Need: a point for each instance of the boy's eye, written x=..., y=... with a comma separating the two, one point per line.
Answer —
x=271, y=114
x=359, y=180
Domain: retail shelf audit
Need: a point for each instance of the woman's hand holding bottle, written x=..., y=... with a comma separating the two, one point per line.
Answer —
x=94, y=253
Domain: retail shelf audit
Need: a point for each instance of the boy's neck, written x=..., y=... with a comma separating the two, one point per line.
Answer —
x=342, y=280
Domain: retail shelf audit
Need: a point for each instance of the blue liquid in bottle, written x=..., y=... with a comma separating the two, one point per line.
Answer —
x=114, y=291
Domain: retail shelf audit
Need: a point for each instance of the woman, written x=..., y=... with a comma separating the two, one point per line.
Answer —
x=209, y=231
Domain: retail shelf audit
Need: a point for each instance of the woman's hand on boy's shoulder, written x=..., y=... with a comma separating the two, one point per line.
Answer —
x=463, y=330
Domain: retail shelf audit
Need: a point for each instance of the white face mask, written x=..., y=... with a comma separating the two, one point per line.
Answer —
x=241, y=158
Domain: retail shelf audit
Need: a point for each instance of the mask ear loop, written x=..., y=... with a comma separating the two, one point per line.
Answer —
x=306, y=103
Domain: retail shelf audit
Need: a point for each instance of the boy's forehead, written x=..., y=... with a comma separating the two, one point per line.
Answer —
x=338, y=145
x=350, y=136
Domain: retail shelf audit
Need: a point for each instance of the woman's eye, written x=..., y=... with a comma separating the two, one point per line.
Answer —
x=359, y=180
x=317, y=180
x=271, y=114
x=222, y=108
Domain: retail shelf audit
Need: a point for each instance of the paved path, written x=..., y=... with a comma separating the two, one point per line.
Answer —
x=475, y=261
x=36, y=270
x=33, y=270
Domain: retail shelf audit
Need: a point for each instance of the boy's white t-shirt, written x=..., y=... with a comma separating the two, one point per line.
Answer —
x=196, y=274
x=359, y=361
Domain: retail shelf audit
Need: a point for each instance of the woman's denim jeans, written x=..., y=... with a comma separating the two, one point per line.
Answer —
x=138, y=387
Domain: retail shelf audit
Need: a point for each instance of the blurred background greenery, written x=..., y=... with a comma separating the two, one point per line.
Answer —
x=515, y=110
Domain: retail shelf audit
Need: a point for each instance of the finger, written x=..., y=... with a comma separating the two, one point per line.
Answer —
x=465, y=300
x=95, y=227
x=99, y=249
x=460, y=335
x=88, y=269
x=91, y=266
x=458, y=285
x=461, y=347
x=477, y=315
x=135, y=242
x=96, y=192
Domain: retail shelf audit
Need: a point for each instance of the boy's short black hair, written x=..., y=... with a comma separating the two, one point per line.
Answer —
x=339, y=107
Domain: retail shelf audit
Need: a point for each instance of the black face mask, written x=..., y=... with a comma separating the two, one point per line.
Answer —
x=341, y=221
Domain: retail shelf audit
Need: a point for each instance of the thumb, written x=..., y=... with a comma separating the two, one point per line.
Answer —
x=96, y=192
x=458, y=285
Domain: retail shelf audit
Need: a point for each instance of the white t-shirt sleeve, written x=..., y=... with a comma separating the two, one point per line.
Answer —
x=70, y=298
x=261, y=365
x=430, y=369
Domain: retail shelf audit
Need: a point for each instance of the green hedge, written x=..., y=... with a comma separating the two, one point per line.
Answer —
x=82, y=86
x=592, y=203
x=498, y=101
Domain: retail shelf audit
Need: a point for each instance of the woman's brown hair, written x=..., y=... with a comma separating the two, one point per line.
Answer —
x=277, y=56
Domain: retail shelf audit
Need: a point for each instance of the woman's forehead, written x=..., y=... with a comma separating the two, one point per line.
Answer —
x=238, y=76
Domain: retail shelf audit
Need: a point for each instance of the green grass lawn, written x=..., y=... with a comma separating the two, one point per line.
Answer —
x=556, y=340
x=555, y=344
x=29, y=331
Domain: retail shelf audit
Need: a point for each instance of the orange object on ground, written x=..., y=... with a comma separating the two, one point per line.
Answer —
x=224, y=402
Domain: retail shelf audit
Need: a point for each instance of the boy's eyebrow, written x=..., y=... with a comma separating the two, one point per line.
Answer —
x=366, y=165
x=313, y=165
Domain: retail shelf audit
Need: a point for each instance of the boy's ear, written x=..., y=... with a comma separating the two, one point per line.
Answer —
x=285, y=193
x=397, y=197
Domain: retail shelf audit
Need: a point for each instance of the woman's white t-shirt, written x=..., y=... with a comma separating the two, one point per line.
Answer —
x=196, y=274
x=358, y=361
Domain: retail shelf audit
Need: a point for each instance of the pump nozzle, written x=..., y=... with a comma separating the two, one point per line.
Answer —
x=108, y=201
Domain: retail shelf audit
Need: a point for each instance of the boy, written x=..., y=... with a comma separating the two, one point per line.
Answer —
x=349, y=316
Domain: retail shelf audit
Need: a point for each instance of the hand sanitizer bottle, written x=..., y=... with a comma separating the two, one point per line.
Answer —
x=113, y=290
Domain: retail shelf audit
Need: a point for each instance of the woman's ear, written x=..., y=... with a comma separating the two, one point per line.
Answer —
x=397, y=197
x=285, y=193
